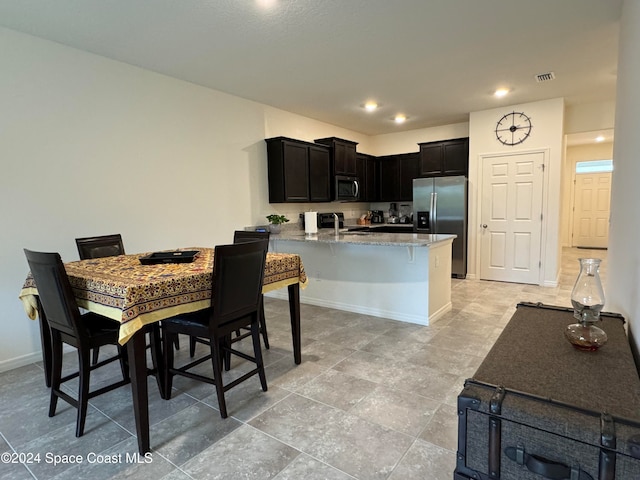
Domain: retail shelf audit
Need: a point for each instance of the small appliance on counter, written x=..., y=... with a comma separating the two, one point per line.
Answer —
x=326, y=220
x=377, y=216
x=393, y=213
x=405, y=213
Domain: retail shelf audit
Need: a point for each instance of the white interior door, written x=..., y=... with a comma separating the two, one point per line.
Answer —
x=511, y=217
x=591, y=203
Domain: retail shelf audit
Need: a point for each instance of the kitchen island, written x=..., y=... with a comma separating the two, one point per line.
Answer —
x=401, y=276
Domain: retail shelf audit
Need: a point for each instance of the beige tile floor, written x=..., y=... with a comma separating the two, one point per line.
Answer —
x=373, y=399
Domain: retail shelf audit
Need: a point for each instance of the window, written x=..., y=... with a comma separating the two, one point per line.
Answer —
x=594, y=166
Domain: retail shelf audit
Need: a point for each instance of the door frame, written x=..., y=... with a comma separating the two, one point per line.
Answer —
x=546, y=155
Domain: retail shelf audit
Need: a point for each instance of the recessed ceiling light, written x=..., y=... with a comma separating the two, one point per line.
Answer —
x=501, y=92
x=266, y=3
x=400, y=118
x=370, y=106
x=599, y=138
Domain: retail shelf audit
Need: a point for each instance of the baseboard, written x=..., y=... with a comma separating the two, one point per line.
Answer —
x=17, y=362
x=283, y=295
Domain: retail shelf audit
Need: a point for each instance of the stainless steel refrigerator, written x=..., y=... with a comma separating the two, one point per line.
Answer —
x=440, y=206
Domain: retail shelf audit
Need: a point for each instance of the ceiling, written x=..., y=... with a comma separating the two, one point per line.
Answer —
x=432, y=60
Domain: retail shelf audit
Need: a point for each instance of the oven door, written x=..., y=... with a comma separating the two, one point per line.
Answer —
x=347, y=188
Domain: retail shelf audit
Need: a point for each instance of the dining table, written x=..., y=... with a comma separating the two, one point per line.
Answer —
x=128, y=290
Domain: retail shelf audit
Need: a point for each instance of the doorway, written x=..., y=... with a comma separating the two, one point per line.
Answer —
x=591, y=204
x=511, y=217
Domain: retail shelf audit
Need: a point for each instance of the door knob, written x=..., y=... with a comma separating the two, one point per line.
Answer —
x=484, y=225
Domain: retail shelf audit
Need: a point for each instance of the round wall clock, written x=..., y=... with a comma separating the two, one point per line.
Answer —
x=513, y=128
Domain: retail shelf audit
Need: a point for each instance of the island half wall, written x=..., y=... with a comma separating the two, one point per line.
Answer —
x=404, y=277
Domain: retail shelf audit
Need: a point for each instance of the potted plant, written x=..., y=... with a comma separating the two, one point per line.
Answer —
x=275, y=222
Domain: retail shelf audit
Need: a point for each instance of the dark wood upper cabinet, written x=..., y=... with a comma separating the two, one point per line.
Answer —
x=389, y=178
x=409, y=169
x=298, y=171
x=367, y=173
x=344, y=155
x=396, y=176
x=449, y=157
x=319, y=174
x=304, y=172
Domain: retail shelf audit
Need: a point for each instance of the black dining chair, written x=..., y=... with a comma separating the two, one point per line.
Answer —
x=68, y=325
x=241, y=236
x=100, y=247
x=238, y=272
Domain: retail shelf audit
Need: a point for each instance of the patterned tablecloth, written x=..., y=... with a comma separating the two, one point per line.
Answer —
x=123, y=289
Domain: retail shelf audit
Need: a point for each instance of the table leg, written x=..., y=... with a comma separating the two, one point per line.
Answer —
x=294, y=311
x=138, y=371
x=45, y=339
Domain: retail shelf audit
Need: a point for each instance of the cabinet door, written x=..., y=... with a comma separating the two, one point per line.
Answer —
x=389, y=178
x=449, y=157
x=344, y=156
x=409, y=169
x=367, y=173
x=361, y=173
x=296, y=172
x=456, y=157
x=319, y=174
x=372, y=180
x=431, y=159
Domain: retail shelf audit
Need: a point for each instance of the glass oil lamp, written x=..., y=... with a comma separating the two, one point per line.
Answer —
x=587, y=299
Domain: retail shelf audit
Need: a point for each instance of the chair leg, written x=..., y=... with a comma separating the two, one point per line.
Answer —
x=226, y=352
x=257, y=352
x=56, y=370
x=217, y=374
x=155, y=342
x=176, y=342
x=263, y=323
x=192, y=346
x=167, y=346
x=124, y=361
x=83, y=390
x=96, y=354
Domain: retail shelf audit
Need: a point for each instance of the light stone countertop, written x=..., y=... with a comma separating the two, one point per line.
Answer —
x=327, y=235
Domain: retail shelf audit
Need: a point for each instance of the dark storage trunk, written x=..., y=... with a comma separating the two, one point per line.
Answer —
x=538, y=408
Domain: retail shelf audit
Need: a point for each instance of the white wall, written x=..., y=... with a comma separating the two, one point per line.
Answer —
x=407, y=142
x=623, y=277
x=90, y=146
x=589, y=117
x=546, y=134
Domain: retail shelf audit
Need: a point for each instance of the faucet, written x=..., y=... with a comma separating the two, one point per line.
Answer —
x=336, y=224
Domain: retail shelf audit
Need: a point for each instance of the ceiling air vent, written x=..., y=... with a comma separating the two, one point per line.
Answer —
x=545, y=77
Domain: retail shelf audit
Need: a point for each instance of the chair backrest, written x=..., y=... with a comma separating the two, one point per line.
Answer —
x=98, y=247
x=241, y=236
x=238, y=272
x=55, y=292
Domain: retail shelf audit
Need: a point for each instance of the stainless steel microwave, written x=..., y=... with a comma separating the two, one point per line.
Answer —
x=347, y=188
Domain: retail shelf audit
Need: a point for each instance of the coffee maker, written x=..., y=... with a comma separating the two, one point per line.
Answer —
x=377, y=216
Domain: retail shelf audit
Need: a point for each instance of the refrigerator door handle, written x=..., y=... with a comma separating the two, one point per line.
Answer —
x=432, y=216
